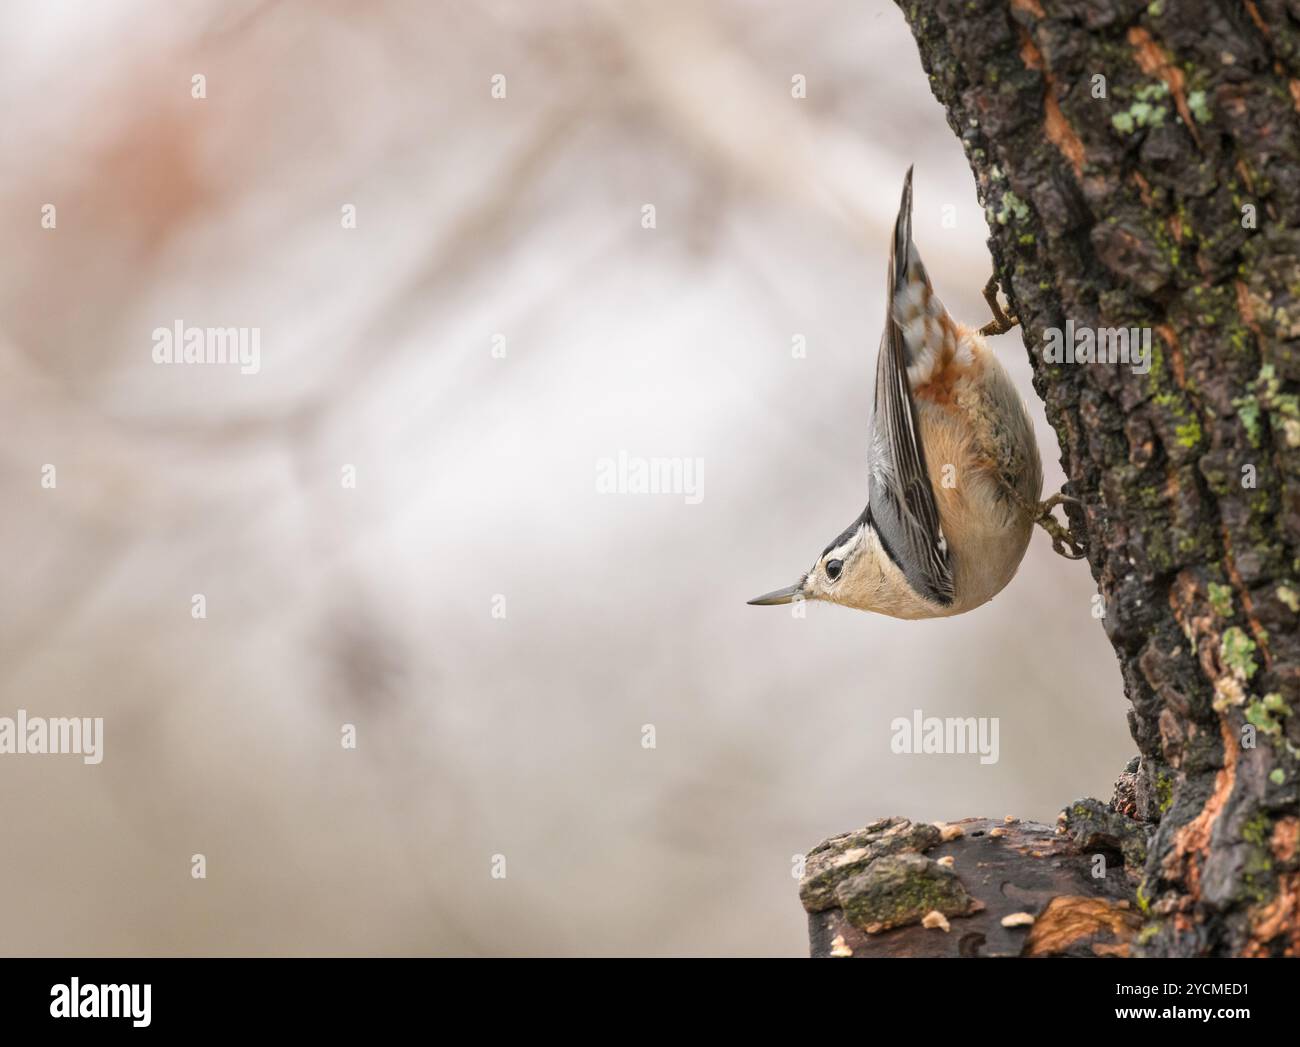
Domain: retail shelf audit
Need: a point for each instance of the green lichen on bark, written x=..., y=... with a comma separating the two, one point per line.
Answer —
x=840, y=857
x=880, y=877
x=901, y=889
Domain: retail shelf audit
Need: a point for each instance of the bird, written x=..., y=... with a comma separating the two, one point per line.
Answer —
x=954, y=479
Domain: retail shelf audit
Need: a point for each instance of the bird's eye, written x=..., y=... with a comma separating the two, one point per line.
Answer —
x=833, y=568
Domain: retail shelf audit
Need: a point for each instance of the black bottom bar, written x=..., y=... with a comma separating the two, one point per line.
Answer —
x=375, y=995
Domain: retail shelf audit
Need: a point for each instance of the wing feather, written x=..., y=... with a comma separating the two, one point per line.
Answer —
x=901, y=503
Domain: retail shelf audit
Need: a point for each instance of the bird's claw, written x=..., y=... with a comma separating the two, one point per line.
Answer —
x=1001, y=322
x=1064, y=541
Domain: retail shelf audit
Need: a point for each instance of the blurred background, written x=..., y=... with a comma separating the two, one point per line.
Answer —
x=498, y=321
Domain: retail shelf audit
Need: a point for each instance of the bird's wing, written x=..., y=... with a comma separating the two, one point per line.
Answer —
x=901, y=501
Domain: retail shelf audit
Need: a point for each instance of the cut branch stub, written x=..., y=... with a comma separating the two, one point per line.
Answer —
x=973, y=888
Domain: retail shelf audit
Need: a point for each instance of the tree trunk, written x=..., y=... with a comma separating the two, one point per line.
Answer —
x=1139, y=164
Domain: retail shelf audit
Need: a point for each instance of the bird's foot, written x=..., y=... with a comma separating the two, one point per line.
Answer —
x=1001, y=322
x=1064, y=541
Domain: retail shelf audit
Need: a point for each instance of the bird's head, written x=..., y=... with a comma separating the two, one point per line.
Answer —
x=838, y=576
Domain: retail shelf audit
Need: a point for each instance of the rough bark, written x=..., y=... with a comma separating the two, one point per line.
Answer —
x=1171, y=203
x=973, y=888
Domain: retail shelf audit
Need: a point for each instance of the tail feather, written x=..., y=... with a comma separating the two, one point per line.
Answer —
x=929, y=333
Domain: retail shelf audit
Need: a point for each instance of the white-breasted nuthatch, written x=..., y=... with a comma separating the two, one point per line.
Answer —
x=955, y=477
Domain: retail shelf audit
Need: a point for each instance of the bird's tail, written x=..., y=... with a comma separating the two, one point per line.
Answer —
x=929, y=333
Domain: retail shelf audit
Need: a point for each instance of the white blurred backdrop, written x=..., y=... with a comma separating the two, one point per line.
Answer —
x=475, y=477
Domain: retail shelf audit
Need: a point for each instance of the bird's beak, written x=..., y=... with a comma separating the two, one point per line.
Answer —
x=786, y=595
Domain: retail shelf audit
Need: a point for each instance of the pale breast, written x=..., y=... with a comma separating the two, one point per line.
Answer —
x=984, y=467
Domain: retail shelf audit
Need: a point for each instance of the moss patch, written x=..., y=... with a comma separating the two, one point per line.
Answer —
x=1237, y=652
x=1221, y=599
x=900, y=889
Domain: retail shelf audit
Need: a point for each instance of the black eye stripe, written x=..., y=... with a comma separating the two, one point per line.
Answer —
x=833, y=568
